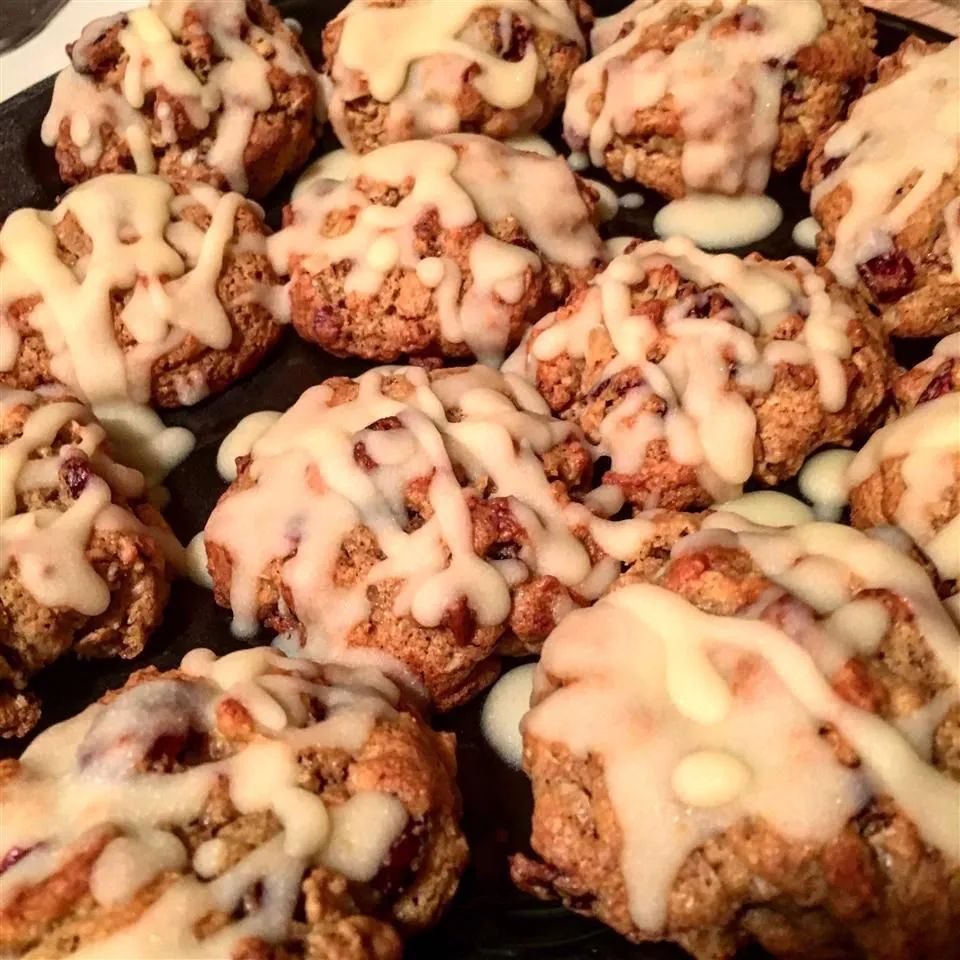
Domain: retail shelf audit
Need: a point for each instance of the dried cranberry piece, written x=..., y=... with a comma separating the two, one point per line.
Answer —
x=14, y=855
x=362, y=458
x=516, y=48
x=940, y=383
x=504, y=551
x=459, y=619
x=829, y=165
x=889, y=276
x=75, y=472
x=398, y=869
x=386, y=423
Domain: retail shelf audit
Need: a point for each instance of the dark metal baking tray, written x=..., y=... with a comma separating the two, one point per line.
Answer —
x=489, y=920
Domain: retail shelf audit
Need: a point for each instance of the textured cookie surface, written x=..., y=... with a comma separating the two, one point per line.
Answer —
x=478, y=66
x=84, y=565
x=754, y=740
x=246, y=806
x=421, y=521
x=705, y=96
x=886, y=191
x=448, y=247
x=213, y=90
x=695, y=373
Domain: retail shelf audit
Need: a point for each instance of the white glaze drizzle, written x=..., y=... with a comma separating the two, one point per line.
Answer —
x=225, y=103
x=769, y=508
x=707, y=425
x=725, y=86
x=805, y=233
x=505, y=706
x=196, y=562
x=464, y=178
x=240, y=440
x=877, y=159
x=823, y=482
x=431, y=51
x=716, y=222
x=81, y=776
x=700, y=720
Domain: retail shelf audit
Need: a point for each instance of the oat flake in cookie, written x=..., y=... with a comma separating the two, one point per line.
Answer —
x=886, y=191
x=135, y=291
x=246, y=806
x=85, y=561
x=421, y=522
x=694, y=373
x=212, y=90
x=757, y=740
x=446, y=247
x=710, y=95
x=417, y=68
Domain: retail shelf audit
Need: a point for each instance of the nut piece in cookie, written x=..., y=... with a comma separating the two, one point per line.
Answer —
x=416, y=68
x=759, y=741
x=420, y=521
x=908, y=473
x=886, y=192
x=710, y=96
x=246, y=806
x=446, y=247
x=213, y=90
x=83, y=556
x=695, y=373
x=136, y=290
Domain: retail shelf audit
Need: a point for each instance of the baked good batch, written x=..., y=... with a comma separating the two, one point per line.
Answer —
x=908, y=473
x=448, y=247
x=759, y=742
x=135, y=289
x=212, y=90
x=886, y=192
x=83, y=567
x=246, y=806
x=740, y=736
x=694, y=373
x=482, y=66
x=418, y=521
x=710, y=96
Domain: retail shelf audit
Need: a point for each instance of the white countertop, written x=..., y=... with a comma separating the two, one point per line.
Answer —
x=44, y=54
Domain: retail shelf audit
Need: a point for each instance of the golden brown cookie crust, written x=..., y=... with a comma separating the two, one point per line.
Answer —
x=912, y=286
x=339, y=919
x=130, y=561
x=875, y=888
x=364, y=123
x=280, y=138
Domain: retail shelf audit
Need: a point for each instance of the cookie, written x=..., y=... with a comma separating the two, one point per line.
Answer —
x=136, y=290
x=247, y=805
x=759, y=742
x=212, y=90
x=695, y=374
x=425, y=523
x=85, y=561
x=907, y=475
x=885, y=189
x=477, y=66
x=711, y=97
x=449, y=247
